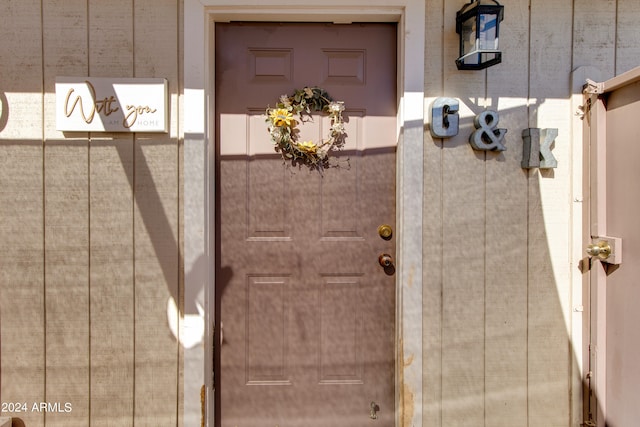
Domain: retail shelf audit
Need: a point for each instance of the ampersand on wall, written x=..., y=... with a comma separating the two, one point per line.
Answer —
x=487, y=136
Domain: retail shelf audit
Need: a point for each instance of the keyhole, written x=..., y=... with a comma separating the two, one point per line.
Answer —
x=374, y=409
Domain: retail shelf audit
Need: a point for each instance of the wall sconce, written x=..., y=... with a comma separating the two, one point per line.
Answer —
x=478, y=24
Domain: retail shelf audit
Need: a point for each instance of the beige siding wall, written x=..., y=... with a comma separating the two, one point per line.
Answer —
x=500, y=266
x=89, y=229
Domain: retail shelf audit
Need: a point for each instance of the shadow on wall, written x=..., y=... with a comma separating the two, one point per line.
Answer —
x=165, y=245
x=192, y=326
x=297, y=296
x=505, y=344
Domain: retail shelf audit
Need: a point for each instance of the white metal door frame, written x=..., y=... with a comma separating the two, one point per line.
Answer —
x=596, y=296
x=198, y=117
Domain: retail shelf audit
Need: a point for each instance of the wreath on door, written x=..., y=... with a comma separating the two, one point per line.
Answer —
x=295, y=109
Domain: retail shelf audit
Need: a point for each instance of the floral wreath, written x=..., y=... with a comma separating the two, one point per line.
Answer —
x=284, y=132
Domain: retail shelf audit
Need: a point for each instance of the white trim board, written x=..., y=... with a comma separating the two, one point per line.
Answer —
x=200, y=17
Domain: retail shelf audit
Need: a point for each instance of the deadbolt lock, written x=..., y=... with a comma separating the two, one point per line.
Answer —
x=385, y=231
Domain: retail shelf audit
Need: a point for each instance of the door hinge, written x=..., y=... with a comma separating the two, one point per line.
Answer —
x=589, y=377
x=592, y=87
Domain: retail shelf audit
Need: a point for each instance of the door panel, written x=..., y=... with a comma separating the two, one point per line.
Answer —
x=623, y=292
x=305, y=312
x=614, y=132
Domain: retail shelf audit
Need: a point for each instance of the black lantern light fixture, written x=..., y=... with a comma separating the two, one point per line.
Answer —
x=478, y=24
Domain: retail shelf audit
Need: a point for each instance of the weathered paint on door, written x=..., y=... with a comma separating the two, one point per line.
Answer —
x=614, y=131
x=304, y=311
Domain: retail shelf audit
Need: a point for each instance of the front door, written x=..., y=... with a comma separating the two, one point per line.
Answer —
x=305, y=312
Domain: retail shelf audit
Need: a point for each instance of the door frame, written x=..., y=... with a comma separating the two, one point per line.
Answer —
x=200, y=17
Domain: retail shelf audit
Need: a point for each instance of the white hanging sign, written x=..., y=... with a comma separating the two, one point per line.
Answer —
x=99, y=104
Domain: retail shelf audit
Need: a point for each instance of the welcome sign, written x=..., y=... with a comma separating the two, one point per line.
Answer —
x=99, y=104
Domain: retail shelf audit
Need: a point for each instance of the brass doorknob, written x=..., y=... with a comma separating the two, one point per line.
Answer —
x=385, y=260
x=385, y=231
x=601, y=250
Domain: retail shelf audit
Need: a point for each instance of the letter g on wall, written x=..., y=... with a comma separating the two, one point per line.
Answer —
x=443, y=117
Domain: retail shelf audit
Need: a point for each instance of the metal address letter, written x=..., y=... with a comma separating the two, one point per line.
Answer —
x=536, y=148
x=487, y=136
x=444, y=117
